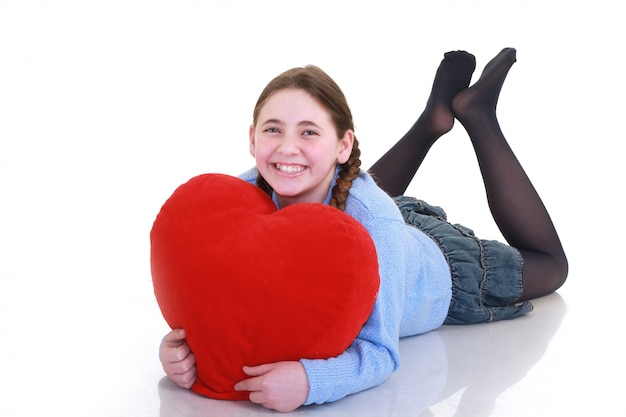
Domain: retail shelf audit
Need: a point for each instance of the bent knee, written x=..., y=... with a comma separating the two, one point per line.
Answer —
x=542, y=274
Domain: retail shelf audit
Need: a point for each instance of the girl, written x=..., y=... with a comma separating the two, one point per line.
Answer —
x=432, y=272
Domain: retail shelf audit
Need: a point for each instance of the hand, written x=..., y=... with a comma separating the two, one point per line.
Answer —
x=282, y=386
x=178, y=361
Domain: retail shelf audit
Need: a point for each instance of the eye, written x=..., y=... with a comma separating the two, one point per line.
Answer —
x=309, y=133
x=272, y=130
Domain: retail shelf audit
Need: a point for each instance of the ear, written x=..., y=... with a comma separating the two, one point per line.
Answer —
x=345, y=147
x=252, y=143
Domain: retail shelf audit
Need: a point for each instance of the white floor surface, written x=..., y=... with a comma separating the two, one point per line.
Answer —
x=106, y=106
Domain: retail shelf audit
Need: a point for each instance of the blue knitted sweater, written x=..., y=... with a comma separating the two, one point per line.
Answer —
x=414, y=296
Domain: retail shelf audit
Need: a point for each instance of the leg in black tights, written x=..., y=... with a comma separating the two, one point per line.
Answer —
x=395, y=170
x=514, y=203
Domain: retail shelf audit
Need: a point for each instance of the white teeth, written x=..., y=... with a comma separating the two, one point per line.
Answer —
x=290, y=169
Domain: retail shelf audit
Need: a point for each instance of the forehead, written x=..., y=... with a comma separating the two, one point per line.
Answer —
x=291, y=104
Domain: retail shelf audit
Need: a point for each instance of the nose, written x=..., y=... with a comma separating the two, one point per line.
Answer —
x=289, y=145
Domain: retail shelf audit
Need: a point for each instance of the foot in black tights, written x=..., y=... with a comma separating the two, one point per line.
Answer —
x=481, y=98
x=395, y=169
x=453, y=75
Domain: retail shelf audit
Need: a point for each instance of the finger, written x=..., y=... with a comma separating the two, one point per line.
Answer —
x=175, y=337
x=250, y=384
x=257, y=370
x=181, y=353
x=175, y=352
x=186, y=379
x=184, y=366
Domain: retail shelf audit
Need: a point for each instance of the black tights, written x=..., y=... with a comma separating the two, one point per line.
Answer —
x=514, y=203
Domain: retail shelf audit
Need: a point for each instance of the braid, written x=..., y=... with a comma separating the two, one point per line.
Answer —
x=349, y=171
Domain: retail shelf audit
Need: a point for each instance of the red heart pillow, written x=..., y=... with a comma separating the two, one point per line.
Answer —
x=251, y=284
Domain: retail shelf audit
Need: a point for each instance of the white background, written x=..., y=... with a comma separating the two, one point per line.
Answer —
x=107, y=106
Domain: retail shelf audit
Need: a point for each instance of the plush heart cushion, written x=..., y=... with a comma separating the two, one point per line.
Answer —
x=251, y=284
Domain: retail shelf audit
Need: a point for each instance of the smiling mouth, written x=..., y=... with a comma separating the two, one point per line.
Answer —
x=290, y=169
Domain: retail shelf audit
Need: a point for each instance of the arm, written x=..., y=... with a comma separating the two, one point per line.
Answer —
x=284, y=386
x=177, y=359
x=365, y=364
x=374, y=355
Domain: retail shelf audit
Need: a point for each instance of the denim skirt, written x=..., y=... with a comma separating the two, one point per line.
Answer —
x=486, y=274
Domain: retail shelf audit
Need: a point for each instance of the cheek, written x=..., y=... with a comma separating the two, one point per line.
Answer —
x=328, y=151
x=261, y=150
x=262, y=155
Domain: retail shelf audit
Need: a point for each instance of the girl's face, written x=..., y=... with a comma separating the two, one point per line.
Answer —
x=296, y=147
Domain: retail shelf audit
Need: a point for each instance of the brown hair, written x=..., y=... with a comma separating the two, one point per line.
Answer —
x=321, y=87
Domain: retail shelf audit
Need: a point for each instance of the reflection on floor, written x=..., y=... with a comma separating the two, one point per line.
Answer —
x=96, y=355
x=456, y=370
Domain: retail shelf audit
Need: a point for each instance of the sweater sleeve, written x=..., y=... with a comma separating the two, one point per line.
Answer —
x=374, y=355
